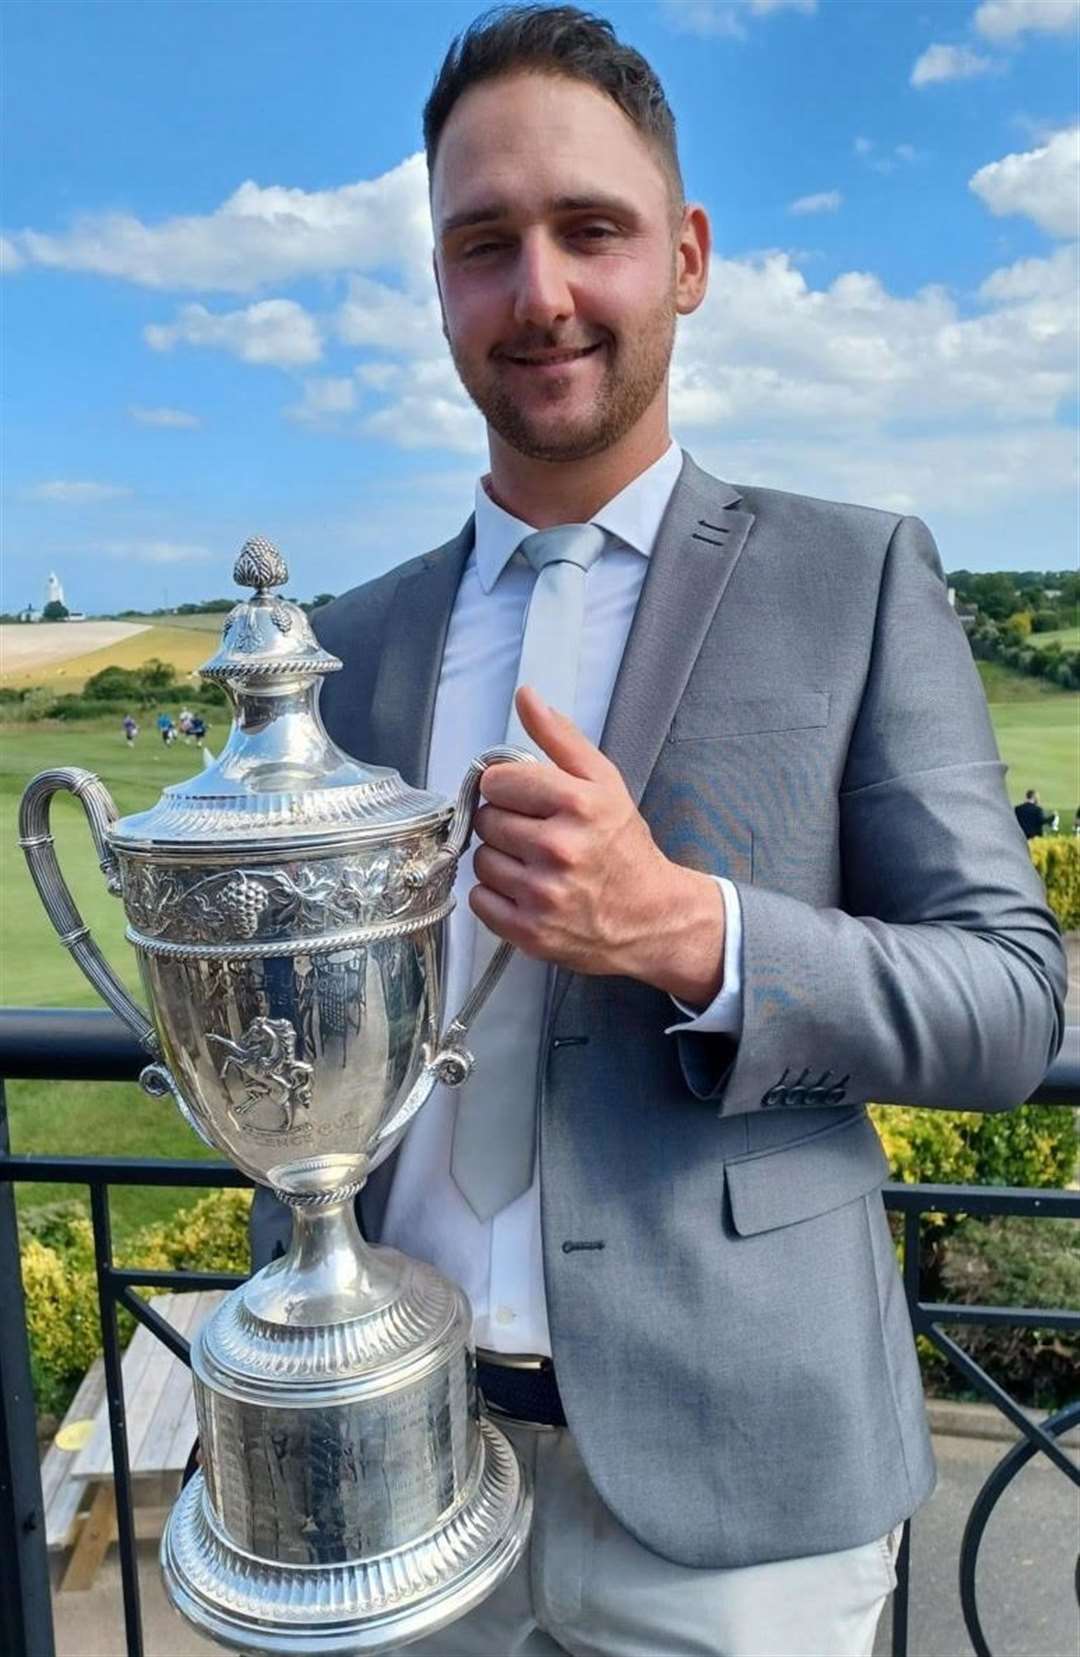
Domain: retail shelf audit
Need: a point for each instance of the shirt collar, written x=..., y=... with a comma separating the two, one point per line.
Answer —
x=632, y=517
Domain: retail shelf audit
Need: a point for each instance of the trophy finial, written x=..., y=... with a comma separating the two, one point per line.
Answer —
x=260, y=565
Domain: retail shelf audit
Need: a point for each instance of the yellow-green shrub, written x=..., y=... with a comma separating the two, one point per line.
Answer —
x=210, y=1236
x=61, y=1312
x=60, y=1286
x=1035, y=1145
x=1057, y=858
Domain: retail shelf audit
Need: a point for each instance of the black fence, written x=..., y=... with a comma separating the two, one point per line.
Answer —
x=93, y=1046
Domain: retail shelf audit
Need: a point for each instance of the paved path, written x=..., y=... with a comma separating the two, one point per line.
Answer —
x=1025, y=1581
x=1025, y=1594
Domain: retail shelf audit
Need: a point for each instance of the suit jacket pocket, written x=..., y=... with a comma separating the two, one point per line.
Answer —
x=700, y=717
x=810, y=1175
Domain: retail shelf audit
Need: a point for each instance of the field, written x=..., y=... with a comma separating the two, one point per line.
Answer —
x=1038, y=730
x=187, y=648
x=209, y=621
x=1067, y=637
x=30, y=653
x=35, y=971
x=1040, y=743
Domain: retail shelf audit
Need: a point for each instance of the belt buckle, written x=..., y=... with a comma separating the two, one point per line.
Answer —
x=532, y=1361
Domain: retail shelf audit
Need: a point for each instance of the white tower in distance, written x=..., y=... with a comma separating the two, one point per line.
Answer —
x=54, y=592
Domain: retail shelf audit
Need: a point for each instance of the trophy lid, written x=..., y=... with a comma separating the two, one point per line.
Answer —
x=279, y=782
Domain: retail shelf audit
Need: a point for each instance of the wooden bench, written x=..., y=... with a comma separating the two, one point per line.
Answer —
x=160, y=1409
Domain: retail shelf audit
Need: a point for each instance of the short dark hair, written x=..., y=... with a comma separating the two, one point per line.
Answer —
x=556, y=40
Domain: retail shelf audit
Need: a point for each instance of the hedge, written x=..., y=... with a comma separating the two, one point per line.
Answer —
x=1012, y=1262
x=60, y=1285
x=1057, y=858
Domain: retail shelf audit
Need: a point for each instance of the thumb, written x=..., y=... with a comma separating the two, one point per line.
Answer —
x=558, y=737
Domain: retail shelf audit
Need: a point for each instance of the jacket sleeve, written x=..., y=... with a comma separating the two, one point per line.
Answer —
x=941, y=979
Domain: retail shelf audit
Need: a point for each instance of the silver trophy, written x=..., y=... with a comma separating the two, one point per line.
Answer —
x=288, y=907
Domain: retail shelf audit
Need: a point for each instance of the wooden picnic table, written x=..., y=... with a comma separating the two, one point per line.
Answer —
x=161, y=1429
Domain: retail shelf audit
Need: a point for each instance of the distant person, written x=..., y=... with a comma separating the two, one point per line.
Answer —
x=130, y=729
x=167, y=728
x=1031, y=816
x=198, y=729
x=184, y=722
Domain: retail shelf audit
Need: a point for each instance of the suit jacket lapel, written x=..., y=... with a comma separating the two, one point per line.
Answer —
x=410, y=658
x=399, y=729
x=698, y=546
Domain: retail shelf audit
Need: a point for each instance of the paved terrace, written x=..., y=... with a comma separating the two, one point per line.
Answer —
x=1025, y=1574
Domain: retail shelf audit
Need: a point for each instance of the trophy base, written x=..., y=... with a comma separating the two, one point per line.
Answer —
x=363, y=1606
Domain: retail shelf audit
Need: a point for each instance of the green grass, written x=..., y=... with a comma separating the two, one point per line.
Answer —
x=1067, y=637
x=69, y=1118
x=1040, y=743
x=1004, y=684
x=1038, y=731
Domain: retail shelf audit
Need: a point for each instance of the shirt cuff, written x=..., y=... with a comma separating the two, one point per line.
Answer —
x=724, y=1014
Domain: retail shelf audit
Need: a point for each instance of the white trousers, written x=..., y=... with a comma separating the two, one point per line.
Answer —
x=587, y=1588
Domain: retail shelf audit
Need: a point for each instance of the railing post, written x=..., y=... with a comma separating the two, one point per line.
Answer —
x=26, y=1625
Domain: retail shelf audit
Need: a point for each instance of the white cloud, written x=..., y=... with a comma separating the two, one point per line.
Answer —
x=955, y=478
x=275, y=331
x=157, y=552
x=323, y=401
x=949, y=63
x=10, y=257
x=826, y=201
x=768, y=352
x=72, y=493
x=725, y=18
x=173, y=418
x=1005, y=19
x=427, y=410
x=260, y=236
x=1043, y=184
x=374, y=314
x=885, y=161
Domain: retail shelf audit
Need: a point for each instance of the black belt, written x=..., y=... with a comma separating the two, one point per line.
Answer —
x=523, y=1388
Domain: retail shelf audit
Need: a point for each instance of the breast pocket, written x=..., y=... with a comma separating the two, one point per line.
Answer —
x=702, y=717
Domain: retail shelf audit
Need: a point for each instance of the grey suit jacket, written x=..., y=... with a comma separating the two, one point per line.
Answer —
x=797, y=708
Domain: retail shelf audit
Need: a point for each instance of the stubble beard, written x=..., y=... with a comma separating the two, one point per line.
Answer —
x=634, y=375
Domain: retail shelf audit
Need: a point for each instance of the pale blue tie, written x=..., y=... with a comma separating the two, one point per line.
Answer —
x=495, y=1127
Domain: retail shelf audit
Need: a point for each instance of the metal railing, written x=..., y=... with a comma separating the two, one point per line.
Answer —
x=93, y=1046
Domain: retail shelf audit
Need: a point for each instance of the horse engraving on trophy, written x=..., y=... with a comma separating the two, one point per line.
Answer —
x=265, y=1058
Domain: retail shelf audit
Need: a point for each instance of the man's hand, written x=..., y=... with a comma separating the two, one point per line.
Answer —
x=570, y=873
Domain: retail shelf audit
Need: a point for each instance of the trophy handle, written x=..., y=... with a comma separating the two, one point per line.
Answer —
x=452, y=1063
x=36, y=841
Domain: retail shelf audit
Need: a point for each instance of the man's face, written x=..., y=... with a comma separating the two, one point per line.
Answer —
x=557, y=262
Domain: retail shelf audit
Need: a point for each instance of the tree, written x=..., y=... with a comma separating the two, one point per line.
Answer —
x=54, y=611
x=320, y=599
x=1017, y=627
x=156, y=674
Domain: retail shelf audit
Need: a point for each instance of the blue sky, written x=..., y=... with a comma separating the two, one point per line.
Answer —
x=218, y=316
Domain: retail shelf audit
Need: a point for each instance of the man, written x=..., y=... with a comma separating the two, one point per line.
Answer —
x=1031, y=816
x=768, y=873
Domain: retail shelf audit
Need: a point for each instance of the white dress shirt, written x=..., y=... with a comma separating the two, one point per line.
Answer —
x=498, y=1262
